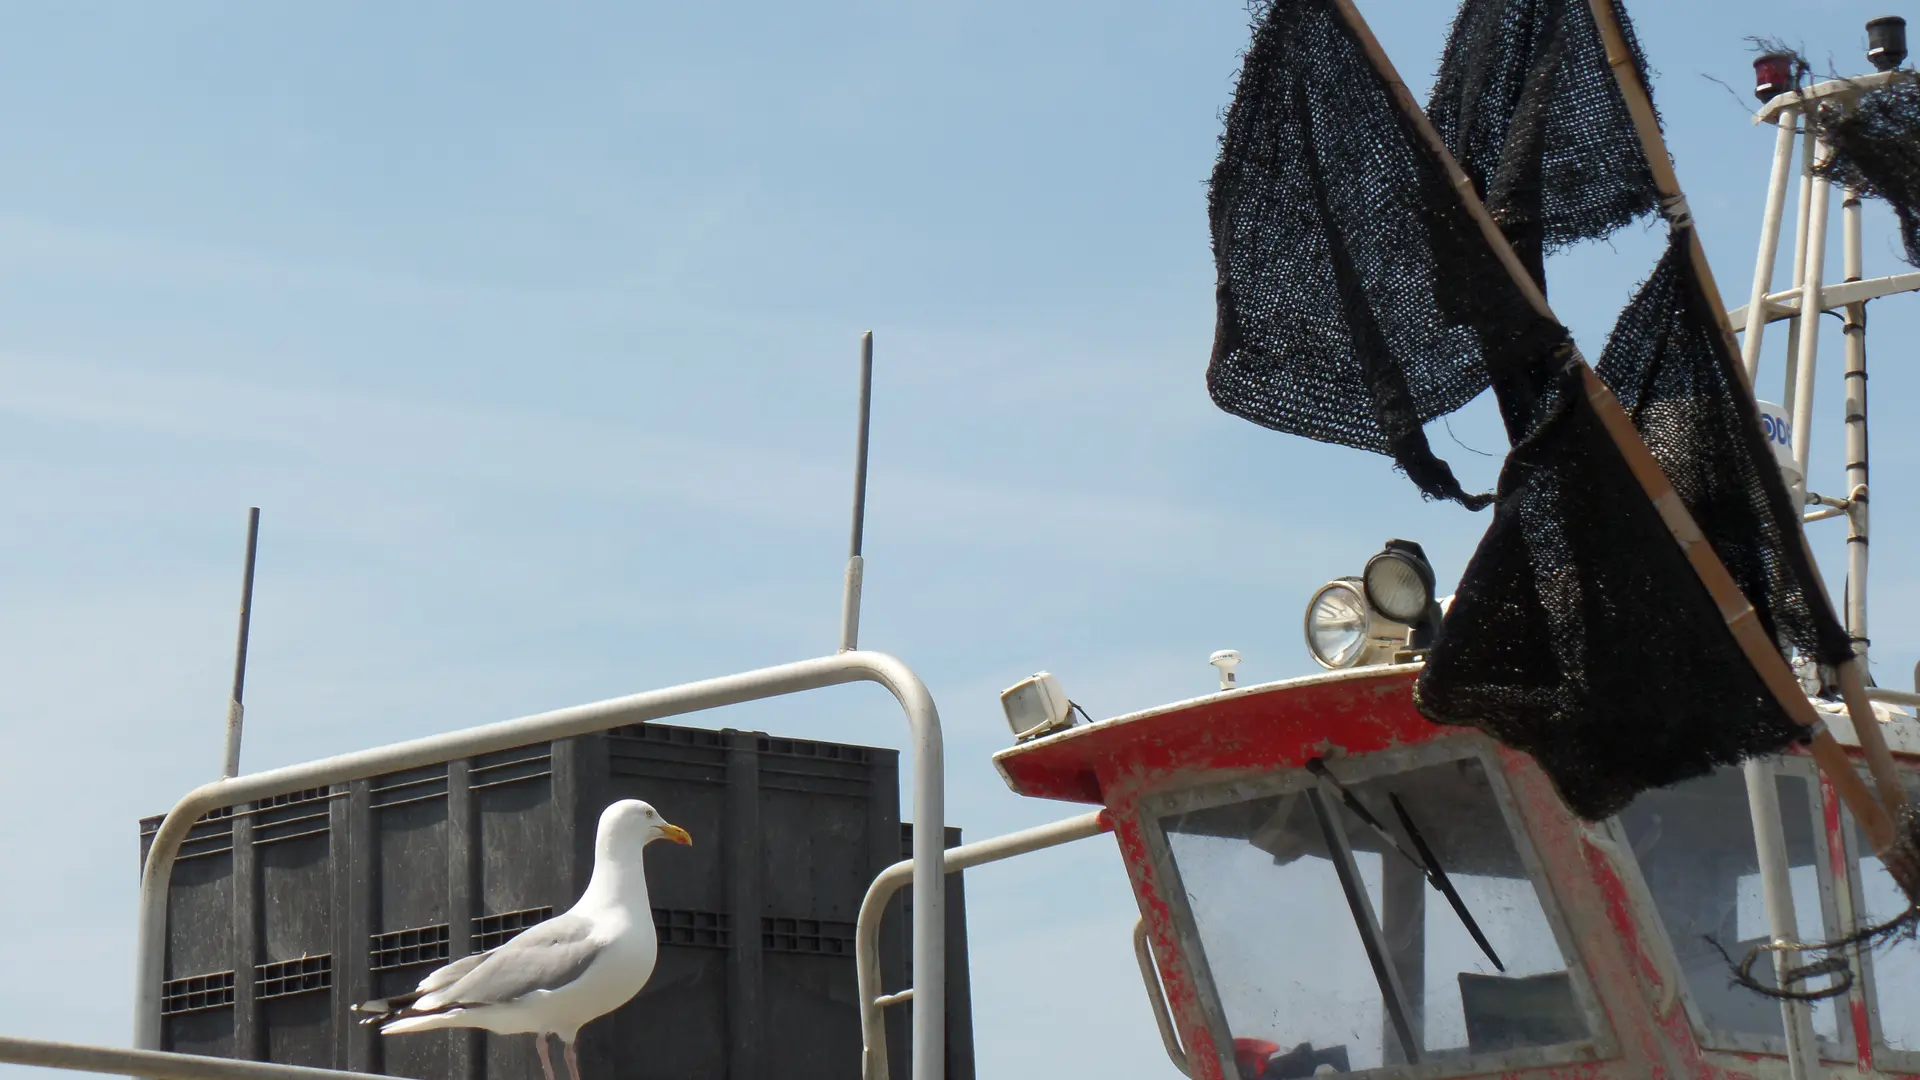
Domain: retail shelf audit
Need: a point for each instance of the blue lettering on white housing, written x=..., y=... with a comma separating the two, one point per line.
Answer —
x=1777, y=430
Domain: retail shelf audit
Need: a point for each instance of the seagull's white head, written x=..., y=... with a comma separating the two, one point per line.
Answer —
x=629, y=825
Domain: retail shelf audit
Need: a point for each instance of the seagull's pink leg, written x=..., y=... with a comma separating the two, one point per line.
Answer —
x=573, y=1061
x=546, y=1063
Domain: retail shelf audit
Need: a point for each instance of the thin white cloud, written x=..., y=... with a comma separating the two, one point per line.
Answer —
x=414, y=442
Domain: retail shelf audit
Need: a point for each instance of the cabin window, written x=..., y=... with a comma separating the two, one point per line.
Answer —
x=1892, y=972
x=1695, y=846
x=1287, y=890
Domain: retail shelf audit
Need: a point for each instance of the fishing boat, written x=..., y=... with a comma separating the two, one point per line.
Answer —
x=1331, y=883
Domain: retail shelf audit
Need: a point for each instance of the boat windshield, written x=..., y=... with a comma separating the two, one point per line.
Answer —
x=1327, y=947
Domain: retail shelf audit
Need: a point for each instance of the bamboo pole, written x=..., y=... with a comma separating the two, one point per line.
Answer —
x=1738, y=614
x=1873, y=743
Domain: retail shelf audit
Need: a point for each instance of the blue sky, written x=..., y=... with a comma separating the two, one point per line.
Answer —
x=533, y=333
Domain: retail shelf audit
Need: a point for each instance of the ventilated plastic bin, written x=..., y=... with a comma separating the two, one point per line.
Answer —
x=283, y=913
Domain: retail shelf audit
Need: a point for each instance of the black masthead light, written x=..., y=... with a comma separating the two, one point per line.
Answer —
x=1886, y=42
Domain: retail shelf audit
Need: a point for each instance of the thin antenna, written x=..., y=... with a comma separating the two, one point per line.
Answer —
x=235, y=711
x=850, y=600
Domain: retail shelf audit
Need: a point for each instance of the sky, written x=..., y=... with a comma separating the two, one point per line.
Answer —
x=534, y=335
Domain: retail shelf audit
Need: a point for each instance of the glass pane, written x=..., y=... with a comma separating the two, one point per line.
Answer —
x=1694, y=842
x=1287, y=955
x=1896, y=967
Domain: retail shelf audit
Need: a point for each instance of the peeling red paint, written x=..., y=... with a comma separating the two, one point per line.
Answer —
x=1257, y=731
x=1196, y=1037
x=1235, y=732
x=1837, y=869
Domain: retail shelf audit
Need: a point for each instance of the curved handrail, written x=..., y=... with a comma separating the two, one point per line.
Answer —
x=1157, y=998
x=929, y=801
x=873, y=908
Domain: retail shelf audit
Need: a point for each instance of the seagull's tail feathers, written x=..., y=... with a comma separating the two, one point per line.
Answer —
x=417, y=1011
x=431, y=1021
x=383, y=1010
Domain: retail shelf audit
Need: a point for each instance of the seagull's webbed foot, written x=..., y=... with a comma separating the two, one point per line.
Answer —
x=546, y=1063
x=573, y=1060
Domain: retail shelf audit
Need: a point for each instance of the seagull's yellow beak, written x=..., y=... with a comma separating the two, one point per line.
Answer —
x=676, y=834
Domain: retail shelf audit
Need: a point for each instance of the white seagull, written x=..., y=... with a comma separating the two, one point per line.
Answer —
x=553, y=977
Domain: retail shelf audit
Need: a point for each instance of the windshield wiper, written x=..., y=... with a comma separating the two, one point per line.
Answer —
x=1426, y=862
x=1386, y=974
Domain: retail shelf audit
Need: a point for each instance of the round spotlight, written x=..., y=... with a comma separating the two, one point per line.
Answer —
x=1399, y=582
x=1337, y=624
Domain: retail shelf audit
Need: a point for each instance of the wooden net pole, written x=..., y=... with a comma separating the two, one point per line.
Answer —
x=1740, y=618
x=1853, y=686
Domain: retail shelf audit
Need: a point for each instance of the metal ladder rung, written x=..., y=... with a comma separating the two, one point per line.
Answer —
x=1785, y=304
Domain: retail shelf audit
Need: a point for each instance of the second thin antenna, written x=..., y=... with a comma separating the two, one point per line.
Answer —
x=235, y=711
x=850, y=599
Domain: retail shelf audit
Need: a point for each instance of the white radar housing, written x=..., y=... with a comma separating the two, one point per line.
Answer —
x=1777, y=426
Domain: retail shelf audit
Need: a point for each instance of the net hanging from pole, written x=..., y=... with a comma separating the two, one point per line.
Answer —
x=1526, y=104
x=1669, y=364
x=1579, y=632
x=1358, y=298
x=1589, y=629
x=1876, y=152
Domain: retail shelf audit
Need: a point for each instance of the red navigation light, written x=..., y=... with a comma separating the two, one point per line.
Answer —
x=1772, y=74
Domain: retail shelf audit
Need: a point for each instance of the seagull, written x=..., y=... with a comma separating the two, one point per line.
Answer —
x=553, y=977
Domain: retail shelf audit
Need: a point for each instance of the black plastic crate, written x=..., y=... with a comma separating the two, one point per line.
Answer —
x=284, y=912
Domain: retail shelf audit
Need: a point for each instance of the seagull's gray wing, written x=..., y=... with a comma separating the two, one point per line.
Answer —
x=437, y=979
x=542, y=957
x=446, y=976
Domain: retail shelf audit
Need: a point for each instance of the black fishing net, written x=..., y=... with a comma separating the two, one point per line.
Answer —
x=1834, y=959
x=1357, y=300
x=1580, y=633
x=1529, y=108
x=1672, y=370
x=1669, y=364
x=1876, y=151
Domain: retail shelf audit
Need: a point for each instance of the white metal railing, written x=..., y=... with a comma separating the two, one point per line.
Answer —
x=155, y=1063
x=1801, y=305
x=929, y=834
x=1785, y=304
x=1831, y=89
x=873, y=908
x=1893, y=697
